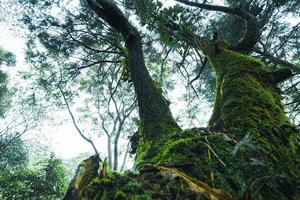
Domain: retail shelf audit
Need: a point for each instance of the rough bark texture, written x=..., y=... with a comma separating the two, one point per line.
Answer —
x=247, y=111
x=86, y=172
x=153, y=107
x=249, y=149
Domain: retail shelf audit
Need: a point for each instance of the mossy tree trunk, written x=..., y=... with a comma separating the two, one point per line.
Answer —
x=153, y=107
x=250, y=146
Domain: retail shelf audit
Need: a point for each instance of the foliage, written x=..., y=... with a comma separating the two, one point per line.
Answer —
x=14, y=156
x=44, y=180
x=6, y=59
x=4, y=93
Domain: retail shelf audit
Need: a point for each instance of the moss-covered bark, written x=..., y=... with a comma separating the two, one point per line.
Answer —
x=248, y=106
x=212, y=158
x=249, y=149
x=253, y=148
x=249, y=102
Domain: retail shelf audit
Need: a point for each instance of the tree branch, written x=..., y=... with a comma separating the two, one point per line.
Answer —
x=200, y=71
x=252, y=32
x=74, y=121
x=278, y=60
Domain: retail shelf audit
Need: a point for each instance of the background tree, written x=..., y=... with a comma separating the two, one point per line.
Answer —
x=108, y=110
x=46, y=179
x=6, y=59
x=14, y=155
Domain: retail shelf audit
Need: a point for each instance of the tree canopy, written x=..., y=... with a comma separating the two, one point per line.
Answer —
x=121, y=61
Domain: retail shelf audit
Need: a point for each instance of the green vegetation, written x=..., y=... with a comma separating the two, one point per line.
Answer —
x=112, y=67
x=45, y=179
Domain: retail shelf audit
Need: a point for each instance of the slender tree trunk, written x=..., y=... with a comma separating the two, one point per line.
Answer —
x=74, y=122
x=125, y=157
x=116, y=147
x=109, y=152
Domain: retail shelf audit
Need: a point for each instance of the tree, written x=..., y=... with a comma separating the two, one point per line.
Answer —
x=45, y=180
x=250, y=147
x=108, y=111
x=14, y=156
x=17, y=115
x=6, y=59
x=104, y=109
x=20, y=178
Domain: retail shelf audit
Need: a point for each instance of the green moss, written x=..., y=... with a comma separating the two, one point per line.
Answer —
x=209, y=157
x=141, y=197
x=150, y=143
x=247, y=98
x=249, y=102
x=158, y=86
x=120, y=196
x=254, y=148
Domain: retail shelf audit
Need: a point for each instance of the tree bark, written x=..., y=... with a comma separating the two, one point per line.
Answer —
x=109, y=152
x=153, y=107
x=249, y=149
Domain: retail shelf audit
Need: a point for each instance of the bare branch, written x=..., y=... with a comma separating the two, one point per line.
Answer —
x=74, y=121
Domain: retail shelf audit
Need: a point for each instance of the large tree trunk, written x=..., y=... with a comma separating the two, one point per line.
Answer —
x=153, y=107
x=250, y=147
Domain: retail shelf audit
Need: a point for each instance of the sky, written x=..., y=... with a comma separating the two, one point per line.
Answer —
x=63, y=139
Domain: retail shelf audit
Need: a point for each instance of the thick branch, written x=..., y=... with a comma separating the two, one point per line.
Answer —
x=110, y=13
x=200, y=71
x=94, y=63
x=281, y=75
x=251, y=33
x=278, y=60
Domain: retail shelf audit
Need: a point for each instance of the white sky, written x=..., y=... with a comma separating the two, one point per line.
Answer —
x=64, y=139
